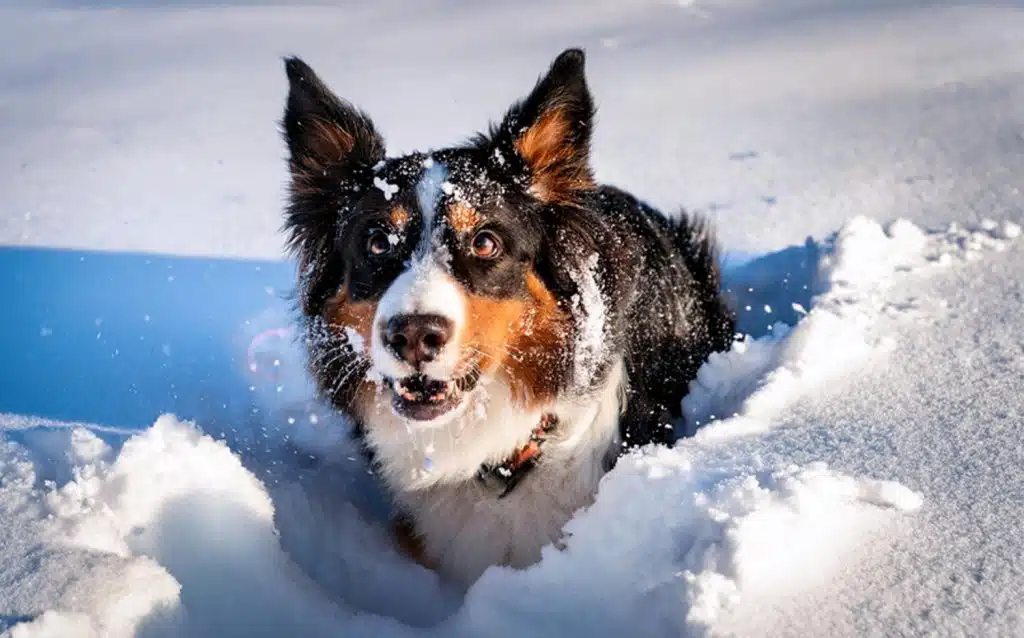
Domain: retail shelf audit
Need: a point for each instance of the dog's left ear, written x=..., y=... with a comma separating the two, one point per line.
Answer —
x=549, y=132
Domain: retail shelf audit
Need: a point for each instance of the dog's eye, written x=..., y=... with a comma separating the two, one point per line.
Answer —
x=486, y=245
x=377, y=243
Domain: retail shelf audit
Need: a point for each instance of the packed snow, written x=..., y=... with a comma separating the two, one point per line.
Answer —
x=588, y=312
x=854, y=466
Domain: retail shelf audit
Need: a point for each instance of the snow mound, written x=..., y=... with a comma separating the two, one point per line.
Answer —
x=838, y=293
x=194, y=532
x=169, y=532
x=195, y=552
x=688, y=538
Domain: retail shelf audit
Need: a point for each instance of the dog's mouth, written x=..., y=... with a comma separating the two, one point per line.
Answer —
x=422, y=398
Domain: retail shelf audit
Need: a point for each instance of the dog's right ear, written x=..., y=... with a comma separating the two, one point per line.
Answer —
x=322, y=130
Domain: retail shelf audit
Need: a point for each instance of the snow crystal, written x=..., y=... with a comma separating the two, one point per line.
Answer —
x=383, y=186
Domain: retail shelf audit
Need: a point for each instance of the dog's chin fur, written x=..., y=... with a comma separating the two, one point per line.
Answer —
x=593, y=311
x=483, y=429
x=432, y=472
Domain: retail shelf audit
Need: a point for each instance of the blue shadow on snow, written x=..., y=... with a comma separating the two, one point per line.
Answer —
x=119, y=338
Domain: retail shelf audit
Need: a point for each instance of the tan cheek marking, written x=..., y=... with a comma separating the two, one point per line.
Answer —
x=524, y=337
x=462, y=218
x=399, y=217
x=490, y=324
x=341, y=313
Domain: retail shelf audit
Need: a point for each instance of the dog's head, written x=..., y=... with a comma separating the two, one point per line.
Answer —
x=426, y=277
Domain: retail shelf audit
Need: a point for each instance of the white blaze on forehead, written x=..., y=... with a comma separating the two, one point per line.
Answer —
x=428, y=192
x=424, y=288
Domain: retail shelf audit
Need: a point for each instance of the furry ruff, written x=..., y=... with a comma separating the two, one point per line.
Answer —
x=453, y=299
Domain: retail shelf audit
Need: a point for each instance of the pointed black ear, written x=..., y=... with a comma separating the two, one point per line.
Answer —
x=323, y=130
x=550, y=131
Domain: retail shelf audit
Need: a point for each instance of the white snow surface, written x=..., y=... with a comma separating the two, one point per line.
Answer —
x=855, y=465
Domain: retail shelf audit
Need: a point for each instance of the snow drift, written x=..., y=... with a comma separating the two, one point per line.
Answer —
x=140, y=275
x=170, y=532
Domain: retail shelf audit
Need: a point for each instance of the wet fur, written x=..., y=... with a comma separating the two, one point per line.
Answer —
x=657, y=298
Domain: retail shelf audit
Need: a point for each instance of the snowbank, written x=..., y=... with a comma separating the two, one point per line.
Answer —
x=168, y=532
x=138, y=136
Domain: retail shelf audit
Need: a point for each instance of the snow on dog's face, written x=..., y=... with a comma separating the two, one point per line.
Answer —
x=425, y=278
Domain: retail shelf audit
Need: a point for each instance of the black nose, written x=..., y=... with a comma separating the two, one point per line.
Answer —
x=417, y=339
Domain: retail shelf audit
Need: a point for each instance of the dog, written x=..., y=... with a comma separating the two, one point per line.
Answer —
x=498, y=326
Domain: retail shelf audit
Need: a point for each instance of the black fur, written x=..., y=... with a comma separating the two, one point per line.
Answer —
x=658, y=277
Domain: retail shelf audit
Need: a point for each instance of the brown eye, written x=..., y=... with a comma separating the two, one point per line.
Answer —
x=486, y=245
x=377, y=243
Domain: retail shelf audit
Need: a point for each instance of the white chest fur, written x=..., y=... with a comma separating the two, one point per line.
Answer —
x=465, y=528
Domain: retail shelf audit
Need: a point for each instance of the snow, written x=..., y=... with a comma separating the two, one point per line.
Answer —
x=164, y=471
x=588, y=310
x=385, y=187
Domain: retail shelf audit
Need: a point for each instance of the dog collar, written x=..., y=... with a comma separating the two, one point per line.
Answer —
x=505, y=476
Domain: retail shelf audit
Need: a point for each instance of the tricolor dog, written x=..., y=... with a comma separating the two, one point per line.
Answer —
x=498, y=326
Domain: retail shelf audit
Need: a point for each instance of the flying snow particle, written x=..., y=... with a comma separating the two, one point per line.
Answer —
x=389, y=190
